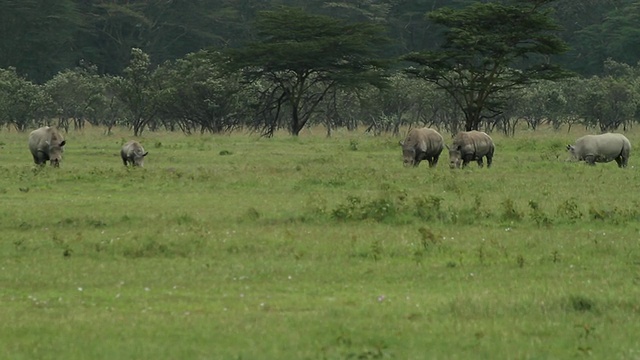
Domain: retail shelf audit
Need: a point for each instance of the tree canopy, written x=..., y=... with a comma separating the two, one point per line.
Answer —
x=43, y=37
x=488, y=49
x=221, y=65
x=300, y=57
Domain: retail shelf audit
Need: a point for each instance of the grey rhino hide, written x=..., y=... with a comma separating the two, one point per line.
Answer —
x=471, y=146
x=602, y=148
x=133, y=153
x=422, y=144
x=46, y=144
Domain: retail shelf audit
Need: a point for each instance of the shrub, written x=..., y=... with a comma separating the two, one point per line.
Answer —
x=509, y=211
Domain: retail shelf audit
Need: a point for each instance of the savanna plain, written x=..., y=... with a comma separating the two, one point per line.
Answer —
x=242, y=247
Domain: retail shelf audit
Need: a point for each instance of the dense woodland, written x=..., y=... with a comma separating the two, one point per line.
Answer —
x=218, y=65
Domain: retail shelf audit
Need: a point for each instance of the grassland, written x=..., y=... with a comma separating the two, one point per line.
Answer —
x=240, y=247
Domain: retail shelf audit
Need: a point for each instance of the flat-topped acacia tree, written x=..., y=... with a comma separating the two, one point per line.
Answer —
x=299, y=57
x=488, y=50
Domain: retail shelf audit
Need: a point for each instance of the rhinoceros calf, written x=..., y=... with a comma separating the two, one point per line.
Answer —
x=602, y=148
x=468, y=146
x=422, y=144
x=46, y=143
x=133, y=153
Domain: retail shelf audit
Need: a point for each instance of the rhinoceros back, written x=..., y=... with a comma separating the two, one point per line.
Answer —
x=603, y=147
x=425, y=140
x=473, y=142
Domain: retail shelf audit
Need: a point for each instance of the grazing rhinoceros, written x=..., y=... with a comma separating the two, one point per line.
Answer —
x=422, y=144
x=602, y=148
x=132, y=152
x=468, y=146
x=46, y=143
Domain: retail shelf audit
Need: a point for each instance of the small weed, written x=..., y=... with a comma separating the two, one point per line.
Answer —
x=376, y=250
x=471, y=214
x=344, y=348
x=25, y=225
x=538, y=215
x=19, y=244
x=427, y=238
x=600, y=214
x=379, y=209
x=509, y=211
x=225, y=152
x=429, y=208
x=568, y=209
x=149, y=248
x=317, y=205
x=481, y=254
x=336, y=182
x=353, y=145
x=453, y=187
x=184, y=219
x=348, y=211
x=62, y=243
x=252, y=214
x=520, y=261
x=581, y=303
x=96, y=223
x=389, y=207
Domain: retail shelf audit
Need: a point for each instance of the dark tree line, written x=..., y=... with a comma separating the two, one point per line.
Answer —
x=335, y=64
x=42, y=37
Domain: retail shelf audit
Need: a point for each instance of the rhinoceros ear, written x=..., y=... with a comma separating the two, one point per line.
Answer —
x=63, y=142
x=447, y=146
x=145, y=154
x=401, y=143
x=569, y=147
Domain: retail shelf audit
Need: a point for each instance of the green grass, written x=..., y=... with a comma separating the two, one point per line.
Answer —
x=240, y=247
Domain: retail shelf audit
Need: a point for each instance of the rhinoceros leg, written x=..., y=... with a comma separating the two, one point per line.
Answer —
x=466, y=159
x=433, y=161
x=480, y=162
x=619, y=161
x=40, y=158
x=622, y=161
x=590, y=159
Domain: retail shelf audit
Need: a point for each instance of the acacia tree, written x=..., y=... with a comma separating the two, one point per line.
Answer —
x=490, y=49
x=302, y=57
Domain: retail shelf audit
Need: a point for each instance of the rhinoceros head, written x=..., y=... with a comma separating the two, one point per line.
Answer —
x=455, y=157
x=55, y=152
x=138, y=158
x=408, y=157
x=572, y=150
